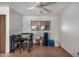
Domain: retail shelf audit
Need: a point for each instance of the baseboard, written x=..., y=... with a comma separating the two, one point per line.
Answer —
x=66, y=51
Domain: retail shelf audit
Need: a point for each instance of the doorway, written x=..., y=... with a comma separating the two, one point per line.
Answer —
x=2, y=34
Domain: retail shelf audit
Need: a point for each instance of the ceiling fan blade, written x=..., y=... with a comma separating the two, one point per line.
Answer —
x=37, y=3
x=48, y=3
x=46, y=10
x=31, y=8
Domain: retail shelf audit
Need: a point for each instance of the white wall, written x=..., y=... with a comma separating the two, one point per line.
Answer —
x=54, y=25
x=5, y=11
x=70, y=29
x=15, y=22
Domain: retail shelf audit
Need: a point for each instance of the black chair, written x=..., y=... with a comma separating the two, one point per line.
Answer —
x=30, y=44
x=28, y=41
x=16, y=42
x=13, y=41
x=19, y=42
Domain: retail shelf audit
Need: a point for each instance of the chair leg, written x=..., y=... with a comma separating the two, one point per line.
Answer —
x=29, y=48
x=13, y=50
x=19, y=48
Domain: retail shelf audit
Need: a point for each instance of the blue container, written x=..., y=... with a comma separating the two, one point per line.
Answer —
x=51, y=42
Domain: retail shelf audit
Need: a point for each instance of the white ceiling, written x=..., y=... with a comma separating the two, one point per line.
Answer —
x=22, y=7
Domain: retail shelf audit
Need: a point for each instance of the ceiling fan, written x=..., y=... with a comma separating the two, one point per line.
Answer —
x=42, y=6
